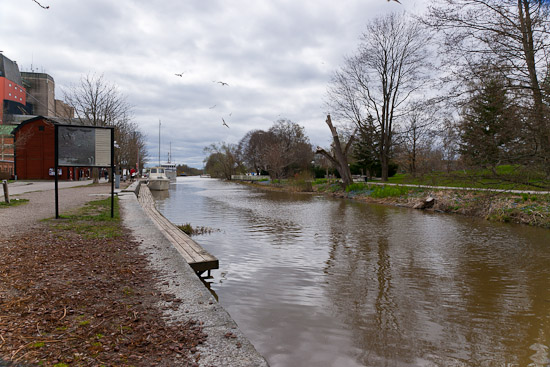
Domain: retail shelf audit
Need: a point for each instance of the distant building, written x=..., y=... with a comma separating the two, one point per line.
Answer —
x=41, y=96
x=24, y=95
x=12, y=92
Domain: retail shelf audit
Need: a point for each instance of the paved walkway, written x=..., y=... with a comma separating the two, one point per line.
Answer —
x=21, y=187
x=41, y=204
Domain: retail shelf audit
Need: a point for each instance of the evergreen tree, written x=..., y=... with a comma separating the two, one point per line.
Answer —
x=487, y=129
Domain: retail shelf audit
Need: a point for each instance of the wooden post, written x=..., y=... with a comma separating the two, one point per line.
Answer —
x=6, y=193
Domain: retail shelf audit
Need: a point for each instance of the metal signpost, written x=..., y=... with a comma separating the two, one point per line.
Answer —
x=84, y=146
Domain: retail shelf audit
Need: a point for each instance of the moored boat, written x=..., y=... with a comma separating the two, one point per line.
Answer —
x=157, y=179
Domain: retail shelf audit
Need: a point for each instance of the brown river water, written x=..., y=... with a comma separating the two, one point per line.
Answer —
x=316, y=281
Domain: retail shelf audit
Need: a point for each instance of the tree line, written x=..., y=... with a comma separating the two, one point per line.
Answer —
x=465, y=85
x=281, y=151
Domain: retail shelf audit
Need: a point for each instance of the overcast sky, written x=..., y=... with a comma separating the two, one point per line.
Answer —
x=277, y=56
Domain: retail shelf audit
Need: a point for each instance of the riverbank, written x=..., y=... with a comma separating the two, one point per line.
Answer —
x=507, y=207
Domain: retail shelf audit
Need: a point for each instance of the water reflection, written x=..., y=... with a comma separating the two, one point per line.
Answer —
x=320, y=282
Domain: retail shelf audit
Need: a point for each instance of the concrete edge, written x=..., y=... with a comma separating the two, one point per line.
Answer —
x=133, y=188
x=179, y=279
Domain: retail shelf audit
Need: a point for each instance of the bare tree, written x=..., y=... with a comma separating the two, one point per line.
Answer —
x=288, y=150
x=415, y=136
x=223, y=160
x=513, y=34
x=97, y=102
x=132, y=151
x=391, y=65
x=282, y=150
x=252, y=148
x=339, y=154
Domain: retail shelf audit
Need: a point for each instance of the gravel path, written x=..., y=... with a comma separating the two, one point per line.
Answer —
x=41, y=205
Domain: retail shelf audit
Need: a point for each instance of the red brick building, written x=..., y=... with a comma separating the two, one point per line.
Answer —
x=35, y=152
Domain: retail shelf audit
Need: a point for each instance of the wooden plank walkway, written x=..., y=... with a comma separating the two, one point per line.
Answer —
x=198, y=258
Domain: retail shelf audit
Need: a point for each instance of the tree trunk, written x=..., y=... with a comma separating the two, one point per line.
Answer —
x=339, y=157
x=95, y=175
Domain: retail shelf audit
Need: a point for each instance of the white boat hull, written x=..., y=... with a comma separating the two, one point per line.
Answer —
x=159, y=184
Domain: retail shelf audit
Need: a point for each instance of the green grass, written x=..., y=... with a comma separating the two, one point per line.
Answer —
x=93, y=220
x=357, y=187
x=13, y=202
x=378, y=191
x=389, y=191
x=505, y=177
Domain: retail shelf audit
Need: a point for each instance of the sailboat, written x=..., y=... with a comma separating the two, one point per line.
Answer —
x=170, y=168
x=157, y=176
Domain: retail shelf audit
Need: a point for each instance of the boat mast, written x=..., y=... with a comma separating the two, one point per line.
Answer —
x=159, y=142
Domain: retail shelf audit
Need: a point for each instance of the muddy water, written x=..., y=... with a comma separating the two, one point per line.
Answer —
x=314, y=281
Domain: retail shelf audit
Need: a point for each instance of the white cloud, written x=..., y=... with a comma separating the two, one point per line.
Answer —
x=277, y=56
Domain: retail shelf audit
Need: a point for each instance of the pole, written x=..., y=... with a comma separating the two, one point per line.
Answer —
x=159, y=142
x=56, y=158
x=6, y=193
x=112, y=172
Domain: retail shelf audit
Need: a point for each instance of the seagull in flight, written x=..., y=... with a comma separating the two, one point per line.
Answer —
x=180, y=74
x=222, y=83
x=212, y=107
x=224, y=124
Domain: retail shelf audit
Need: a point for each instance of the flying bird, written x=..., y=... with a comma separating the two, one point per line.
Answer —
x=224, y=124
x=220, y=82
x=40, y=5
x=180, y=75
x=212, y=107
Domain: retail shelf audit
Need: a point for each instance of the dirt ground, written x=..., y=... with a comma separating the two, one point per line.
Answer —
x=67, y=300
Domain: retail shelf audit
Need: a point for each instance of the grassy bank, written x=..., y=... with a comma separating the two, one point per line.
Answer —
x=530, y=209
x=505, y=177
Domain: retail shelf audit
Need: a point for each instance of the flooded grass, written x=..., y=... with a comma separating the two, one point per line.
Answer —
x=189, y=230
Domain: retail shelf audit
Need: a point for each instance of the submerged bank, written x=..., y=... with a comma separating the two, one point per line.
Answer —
x=507, y=207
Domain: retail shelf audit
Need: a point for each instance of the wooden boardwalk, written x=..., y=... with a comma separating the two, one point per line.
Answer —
x=198, y=258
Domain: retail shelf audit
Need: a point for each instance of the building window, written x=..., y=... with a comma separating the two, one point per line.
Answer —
x=10, y=84
x=10, y=94
x=40, y=128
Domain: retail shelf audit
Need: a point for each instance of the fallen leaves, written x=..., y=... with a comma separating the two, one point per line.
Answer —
x=68, y=299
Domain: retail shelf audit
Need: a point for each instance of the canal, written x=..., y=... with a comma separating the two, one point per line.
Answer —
x=316, y=281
